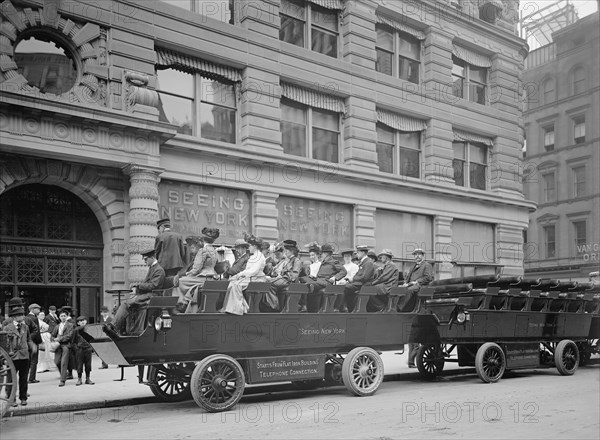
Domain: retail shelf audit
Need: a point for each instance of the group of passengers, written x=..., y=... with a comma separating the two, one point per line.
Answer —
x=255, y=260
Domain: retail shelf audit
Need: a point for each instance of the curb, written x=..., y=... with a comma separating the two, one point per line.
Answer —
x=22, y=411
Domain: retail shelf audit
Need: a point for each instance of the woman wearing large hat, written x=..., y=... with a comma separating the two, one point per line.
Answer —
x=203, y=268
x=234, y=302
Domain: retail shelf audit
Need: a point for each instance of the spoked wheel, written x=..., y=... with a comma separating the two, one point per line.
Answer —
x=430, y=360
x=566, y=357
x=362, y=371
x=171, y=382
x=218, y=383
x=490, y=362
x=8, y=382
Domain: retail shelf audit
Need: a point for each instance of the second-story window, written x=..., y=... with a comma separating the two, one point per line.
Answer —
x=578, y=77
x=548, y=138
x=398, y=54
x=550, y=240
x=468, y=81
x=549, y=188
x=470, y=164
x=578, y=177
x=308, y=25
x=579, y=129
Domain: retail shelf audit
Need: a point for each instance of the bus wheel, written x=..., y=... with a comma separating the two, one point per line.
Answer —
x=362, y=371
x=171, y=382
x=430, y=361
x=218, y=383
x=566, y=357
x=490, y=362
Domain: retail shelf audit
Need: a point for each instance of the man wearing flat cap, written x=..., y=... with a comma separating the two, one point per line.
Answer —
x=421, y=274
x=169, y=248
x=202, y=270
x=387, y=277
x=18, y=348
x=364, y=277
x=36, y=337
x=330, y=271
x=154, y=280
x=285, y=273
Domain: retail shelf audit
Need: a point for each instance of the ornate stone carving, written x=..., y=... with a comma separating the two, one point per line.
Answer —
x=138, y=98
x=89, y=39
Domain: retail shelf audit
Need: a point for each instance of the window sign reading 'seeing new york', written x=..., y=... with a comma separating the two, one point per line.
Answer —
x=306, y=220
x=191, y=207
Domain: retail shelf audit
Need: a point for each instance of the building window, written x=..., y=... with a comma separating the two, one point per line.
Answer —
x=398, y=54
x=549, y=180
x=197, y=105
x=468, y=81
x=578, y=174
x=307, y=25
x=470, y=164
x=309, y=132
x=398, y=152
x=578, y=80
x=579, y=129
x=580, y=233
x=549, y=91
x=221, y=10
x=550, y=240
x=548, y=138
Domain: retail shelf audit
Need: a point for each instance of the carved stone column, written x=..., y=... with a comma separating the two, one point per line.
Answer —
x=365, y=225
x=442, y=238
x=265, y=216
x=143, y=214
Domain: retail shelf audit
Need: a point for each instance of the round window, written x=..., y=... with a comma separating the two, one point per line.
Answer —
x=46, y=63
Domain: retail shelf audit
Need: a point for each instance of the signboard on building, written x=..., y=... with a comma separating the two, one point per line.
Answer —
x=306, y=220
x=191, y=207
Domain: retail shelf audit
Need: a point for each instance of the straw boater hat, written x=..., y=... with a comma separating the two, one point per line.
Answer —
x=240, y=242
x=163, y=221
x=362, y=248
x=418, y=251
x=289, y=244
x=347, y=251
x=387, y=252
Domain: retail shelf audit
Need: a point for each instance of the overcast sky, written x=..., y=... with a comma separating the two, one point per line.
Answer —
x=584, y=7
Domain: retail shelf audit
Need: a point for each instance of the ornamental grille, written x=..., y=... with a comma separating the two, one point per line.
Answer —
x=60, y=271
x=89, y=271
x=6, y=269
x=30, y=269
x=31, y=225
x=60, y=227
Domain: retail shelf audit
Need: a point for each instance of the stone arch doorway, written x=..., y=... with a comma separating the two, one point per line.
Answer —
x=51, y=249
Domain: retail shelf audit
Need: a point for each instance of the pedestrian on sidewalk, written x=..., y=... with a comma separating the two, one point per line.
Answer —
x=63, y=334
x=105, y=318
x=19, y=342
x=83, y=352
x=36, y=338
x=45, y=360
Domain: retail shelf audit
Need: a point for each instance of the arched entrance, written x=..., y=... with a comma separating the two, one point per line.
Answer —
x=50, y=249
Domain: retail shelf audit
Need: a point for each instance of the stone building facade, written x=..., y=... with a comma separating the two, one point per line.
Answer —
x=392, y=124
x=563, y=154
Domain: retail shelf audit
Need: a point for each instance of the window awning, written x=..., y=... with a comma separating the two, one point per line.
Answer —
x=329, y=4
x=471, y=57
x=464, y=136
x=312, y=98
x=400, y=122
x=402, y=27
x=167, y=58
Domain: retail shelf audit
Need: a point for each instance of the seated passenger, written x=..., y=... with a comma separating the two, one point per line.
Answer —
x=234, y=301
x=387, y=277
x=285, y=273
x=330, y=271
x=142, y=293
x=350, y=266
x=310, y=270
x=203, y=269
x=363, y=277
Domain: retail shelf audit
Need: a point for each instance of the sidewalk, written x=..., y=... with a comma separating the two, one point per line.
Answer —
x=47, y=397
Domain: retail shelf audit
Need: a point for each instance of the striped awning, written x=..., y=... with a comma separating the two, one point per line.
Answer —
x=465, y=136
x=400, y=122
x=312, y=98
x=471, y=57
x=402, y=27
x=190, y=64
x=329, y=4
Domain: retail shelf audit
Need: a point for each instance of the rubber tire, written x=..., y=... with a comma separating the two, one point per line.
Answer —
x=8, y=378
x=429, y=369
x=357, y=380
x=481, y=362
x=566, y=348
x=184, y=393
x=202, y=373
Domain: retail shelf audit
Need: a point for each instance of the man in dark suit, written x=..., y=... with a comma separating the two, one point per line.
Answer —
x=329, y=272
x=169, y=248
x=141, y=297
x=63, y=333
x=421, y=274
x=282, y=276
x=364, y=277
x=51, y=318
x=36, y=337
x=387, y=277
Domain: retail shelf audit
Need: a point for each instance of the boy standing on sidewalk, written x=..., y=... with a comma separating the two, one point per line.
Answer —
x=83, y=353
x=19, y=341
